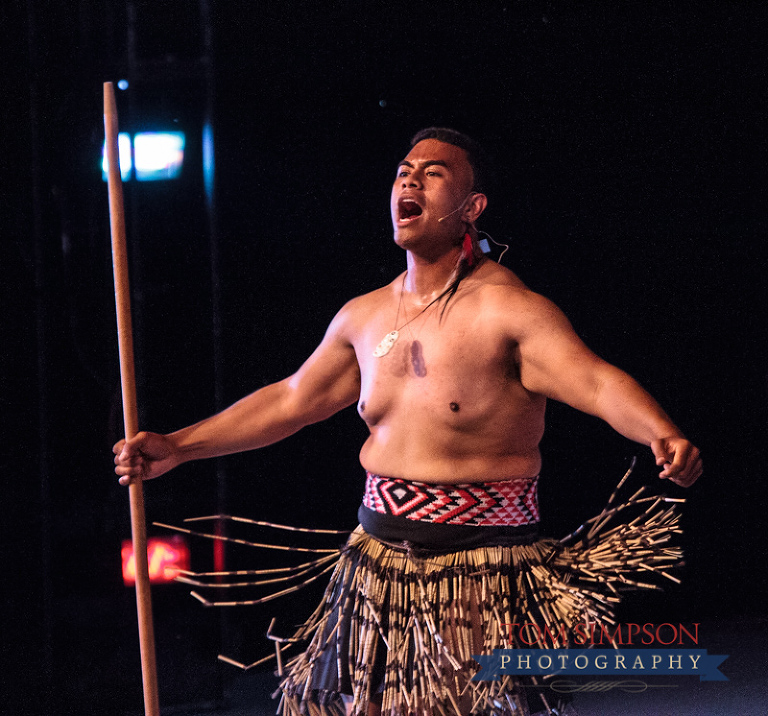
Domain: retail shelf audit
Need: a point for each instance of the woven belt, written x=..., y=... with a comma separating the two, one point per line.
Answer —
x=482, y=504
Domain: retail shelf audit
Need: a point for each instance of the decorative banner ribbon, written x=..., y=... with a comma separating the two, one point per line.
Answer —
x=600, y=662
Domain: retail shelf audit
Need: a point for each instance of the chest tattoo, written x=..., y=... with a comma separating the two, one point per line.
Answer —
x=417, y=359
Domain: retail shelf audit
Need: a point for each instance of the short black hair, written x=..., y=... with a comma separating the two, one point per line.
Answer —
x=475, y=155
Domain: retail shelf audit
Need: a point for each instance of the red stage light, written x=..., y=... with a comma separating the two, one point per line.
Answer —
x=167, y=556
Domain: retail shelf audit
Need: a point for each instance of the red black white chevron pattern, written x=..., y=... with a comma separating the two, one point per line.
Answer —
x=491, y=504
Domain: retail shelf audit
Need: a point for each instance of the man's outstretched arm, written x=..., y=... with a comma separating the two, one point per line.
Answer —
x=327, y=382
x=555, y=362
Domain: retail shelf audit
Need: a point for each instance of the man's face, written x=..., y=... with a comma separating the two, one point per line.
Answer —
x=432, y=182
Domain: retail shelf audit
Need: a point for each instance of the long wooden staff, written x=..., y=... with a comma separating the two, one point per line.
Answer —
x=130, y=412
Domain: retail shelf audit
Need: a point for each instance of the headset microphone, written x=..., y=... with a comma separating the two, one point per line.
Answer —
x=458, y=208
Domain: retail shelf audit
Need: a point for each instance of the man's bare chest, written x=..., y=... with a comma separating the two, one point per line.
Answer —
x=439, y=362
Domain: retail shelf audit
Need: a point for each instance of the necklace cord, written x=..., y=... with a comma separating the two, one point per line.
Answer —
x=399, y=303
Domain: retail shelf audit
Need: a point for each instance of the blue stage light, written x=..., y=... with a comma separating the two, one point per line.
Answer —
x=124, y=153
x=158, y=155
x=155, y=155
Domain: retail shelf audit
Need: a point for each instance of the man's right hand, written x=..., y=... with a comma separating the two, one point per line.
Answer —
x=144, y=456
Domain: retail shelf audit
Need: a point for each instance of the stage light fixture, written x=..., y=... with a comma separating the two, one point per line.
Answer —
x=158, y=155
x=148, y=156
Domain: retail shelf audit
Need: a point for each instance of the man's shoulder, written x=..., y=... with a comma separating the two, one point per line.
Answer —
x=361, y=307
x=497, y=285
x=503, y=295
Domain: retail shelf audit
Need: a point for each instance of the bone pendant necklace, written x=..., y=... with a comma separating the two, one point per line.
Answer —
x=386, y=344
x=391, y=338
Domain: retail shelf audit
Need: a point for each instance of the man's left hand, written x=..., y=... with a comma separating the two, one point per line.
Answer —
x=680, y=459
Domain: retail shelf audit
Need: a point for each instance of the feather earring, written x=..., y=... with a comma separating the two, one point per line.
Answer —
x=468, y=250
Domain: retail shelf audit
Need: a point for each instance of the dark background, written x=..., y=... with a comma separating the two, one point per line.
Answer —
x=629, y=141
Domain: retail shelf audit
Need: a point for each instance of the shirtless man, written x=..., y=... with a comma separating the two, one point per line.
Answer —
x=460, y=396
x=452, y=387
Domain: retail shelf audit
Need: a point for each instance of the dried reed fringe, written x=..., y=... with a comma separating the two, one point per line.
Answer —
x=431, y=613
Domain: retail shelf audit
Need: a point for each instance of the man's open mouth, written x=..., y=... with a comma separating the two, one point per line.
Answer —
x=408, y=209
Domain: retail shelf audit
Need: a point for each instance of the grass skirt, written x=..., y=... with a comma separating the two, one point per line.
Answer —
x=400, y=625
x=403, y=625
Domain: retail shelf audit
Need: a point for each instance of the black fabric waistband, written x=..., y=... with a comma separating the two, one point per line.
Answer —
x=439, y=538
